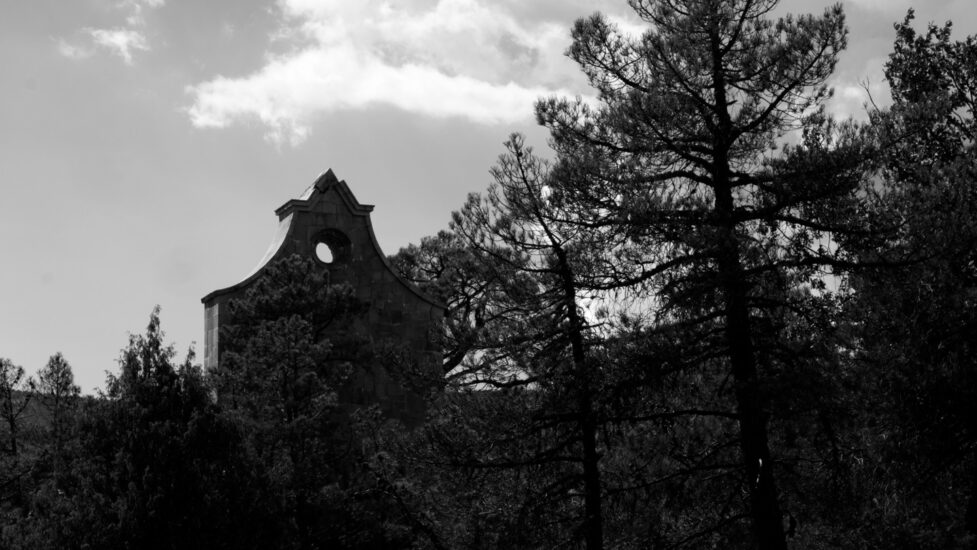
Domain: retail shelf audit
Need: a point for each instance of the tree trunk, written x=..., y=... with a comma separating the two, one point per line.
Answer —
x=593, y=523
x=765, y=513
x=764, y=506
x=593, y=515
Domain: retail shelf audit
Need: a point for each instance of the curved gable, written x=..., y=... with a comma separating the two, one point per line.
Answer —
x=328, y=204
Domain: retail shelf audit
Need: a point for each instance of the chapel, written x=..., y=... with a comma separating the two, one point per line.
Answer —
x=400, y=323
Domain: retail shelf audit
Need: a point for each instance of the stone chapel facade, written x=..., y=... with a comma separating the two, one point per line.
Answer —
x=328, y=217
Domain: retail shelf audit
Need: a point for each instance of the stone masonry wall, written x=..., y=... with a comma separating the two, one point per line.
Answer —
x=399, y=317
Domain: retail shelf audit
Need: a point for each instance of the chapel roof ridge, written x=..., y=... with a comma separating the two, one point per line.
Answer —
x=326, y=179
x=323, y=183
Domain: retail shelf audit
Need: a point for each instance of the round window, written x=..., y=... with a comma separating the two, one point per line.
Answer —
x=331, y=246
x=324, y=253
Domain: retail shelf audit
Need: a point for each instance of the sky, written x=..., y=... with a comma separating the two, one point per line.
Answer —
x=145, y=144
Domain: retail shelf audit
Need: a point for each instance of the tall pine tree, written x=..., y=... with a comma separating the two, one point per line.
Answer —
x=684, y=154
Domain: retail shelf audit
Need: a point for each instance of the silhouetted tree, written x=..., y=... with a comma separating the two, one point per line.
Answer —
x=58, y=393
x=680, y=154
x=157, y=465
x=916, y=324
x=16, y=394
x=289, y=350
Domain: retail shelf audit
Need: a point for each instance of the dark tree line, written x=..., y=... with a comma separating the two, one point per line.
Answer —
x=711, y=317
x=256, y=454
x=774, y=308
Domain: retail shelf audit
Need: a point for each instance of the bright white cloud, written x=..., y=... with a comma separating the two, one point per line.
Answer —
x=121, y=42
x=440, y=58
x=628, y=26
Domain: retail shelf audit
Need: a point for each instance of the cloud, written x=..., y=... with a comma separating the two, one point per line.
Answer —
x=287, y=93
x=856, y=100
x=439, y=58
x=72, y=51
x=122, y=40
x=137, y=8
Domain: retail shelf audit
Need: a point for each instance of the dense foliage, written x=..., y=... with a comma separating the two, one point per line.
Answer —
x=714, y=318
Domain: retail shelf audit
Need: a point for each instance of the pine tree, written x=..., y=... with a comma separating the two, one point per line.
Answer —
x=679, y=155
